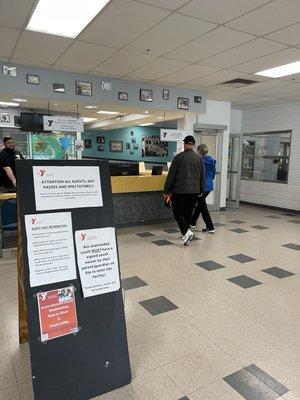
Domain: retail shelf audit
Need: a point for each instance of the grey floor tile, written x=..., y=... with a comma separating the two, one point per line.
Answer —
x=267, y=379
x=238, y=230
x=210, y=265
x=292, y=246
x=195, y=238
x=259, y=227
x=249, y=386
x=144, y=234
x=133, y=282
x=242, y=258
x=171, y=230
x=244, y=281
x=158, y=305
x=294, y=221
x=237, y=221
x=278, y=272
x=289, y=214
x=273, y=216
x=219, y=224
x=162, y=242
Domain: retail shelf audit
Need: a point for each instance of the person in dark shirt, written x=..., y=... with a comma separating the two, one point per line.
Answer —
x=8, y=157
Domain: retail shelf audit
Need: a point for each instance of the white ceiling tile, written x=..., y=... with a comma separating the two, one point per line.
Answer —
x=187, y=74
x=121, y=22
x=261, y=85
x=85, y=55
x=8, y=39
x=211, y=43
x=268, y=18
x=169, y=4
x=289, y=35
x=281, y=91
x=14, y=12
x=69, y=69
x=40, y=47
x=270, y=61
x=31, y=63
x=248, y=51
x=213, y=10
x=157, y=68
x=220, y=76
x=123, y=63
x=171, y=33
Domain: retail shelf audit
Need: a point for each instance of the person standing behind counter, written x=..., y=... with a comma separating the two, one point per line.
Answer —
x=185, y=183
x=8, y=157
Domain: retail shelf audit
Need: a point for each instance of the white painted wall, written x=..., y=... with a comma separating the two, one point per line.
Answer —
x=280, y=117
x=235, y=121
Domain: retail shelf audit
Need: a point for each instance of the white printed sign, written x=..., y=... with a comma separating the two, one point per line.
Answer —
x=50, y=248
x=172, y=135
x=63, y=123
x=97, y=261
x=66, y=187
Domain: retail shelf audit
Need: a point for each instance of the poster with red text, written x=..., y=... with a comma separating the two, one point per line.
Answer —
x=57, y=313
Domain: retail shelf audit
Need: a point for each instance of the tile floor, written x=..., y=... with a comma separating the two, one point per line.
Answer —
x=199, y=325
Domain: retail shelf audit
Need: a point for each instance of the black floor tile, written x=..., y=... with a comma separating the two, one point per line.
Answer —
x=210, y=265
x=133, y=282
x=273, y=216
x=244, y=281
x=292, y=246
x=219, y=224
x=162, y=242
x=259, y=227
x=249, y=386
x=237, y=221
x=242, y=258
x=145, y=234
x=267, y=379
x=158, y=305
x=294, y=221
x=278, y=272
x=171, y=230
x=238, y=230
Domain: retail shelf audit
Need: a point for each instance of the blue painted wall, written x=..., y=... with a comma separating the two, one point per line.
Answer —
x=124, y=134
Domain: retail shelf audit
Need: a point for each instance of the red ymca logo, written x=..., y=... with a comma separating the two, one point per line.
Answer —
x=82, y=236
x=41, y=172
x=33, y=221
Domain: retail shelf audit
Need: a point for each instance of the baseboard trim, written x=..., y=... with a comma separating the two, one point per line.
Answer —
x=247, y=203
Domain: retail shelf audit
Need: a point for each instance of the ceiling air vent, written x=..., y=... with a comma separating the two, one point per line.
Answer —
x=239, y=82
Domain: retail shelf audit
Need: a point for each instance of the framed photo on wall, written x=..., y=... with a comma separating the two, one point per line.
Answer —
x=128, y=146
x=101, y=147
x=183, y=103
x=146, y=95
x=198, y=99
x=4, y=118
x=59, y=88
x=9, y=71
x=88, y=143
x=32, y=79
x=116, y=146
x=123, y=96
x=83, y=88
x=166, y=94
x=101, y=139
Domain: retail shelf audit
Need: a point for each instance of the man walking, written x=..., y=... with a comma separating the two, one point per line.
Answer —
x=185, y=183
x=8, y=157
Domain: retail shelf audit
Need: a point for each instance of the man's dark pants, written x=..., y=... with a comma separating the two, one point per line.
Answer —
x=201, y=208
x=183, y=205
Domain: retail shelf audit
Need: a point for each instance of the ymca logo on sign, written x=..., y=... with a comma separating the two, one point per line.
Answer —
x=41, y=172
x=82, y=236
x=33, y=221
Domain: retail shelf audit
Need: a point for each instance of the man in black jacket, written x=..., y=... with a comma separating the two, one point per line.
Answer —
x=8, y=157
x=185, y=182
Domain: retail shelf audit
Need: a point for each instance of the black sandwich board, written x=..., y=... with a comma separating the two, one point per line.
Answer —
x=95, y=360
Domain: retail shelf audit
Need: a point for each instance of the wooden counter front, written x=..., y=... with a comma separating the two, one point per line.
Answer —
x=138, y=183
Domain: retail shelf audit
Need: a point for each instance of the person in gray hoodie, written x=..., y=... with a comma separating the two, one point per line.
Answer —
x=185, y=184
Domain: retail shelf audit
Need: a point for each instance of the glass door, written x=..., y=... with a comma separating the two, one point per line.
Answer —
x=234, y=171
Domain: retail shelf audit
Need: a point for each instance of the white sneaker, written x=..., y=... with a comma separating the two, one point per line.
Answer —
x=187, y=237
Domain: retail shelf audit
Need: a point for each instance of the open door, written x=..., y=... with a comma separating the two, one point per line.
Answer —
x=234, y=171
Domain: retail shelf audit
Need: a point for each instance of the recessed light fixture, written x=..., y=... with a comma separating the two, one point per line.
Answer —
x=282, y=70
x=8, y=104
x=148, y=124
x=108, y=112
x=146, y=112
x=90, y=107
x=86, y=119
x=65, y=18
x=20, y=100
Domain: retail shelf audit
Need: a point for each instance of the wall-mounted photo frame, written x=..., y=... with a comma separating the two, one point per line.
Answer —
x=88, y=143
x=101, y=147
x=146, y=95
x=4, y=118
x=32, y=79
x=83, y=88
x=135, y=147
x=123, y=96
x=133, y=139
x=101, y=139
x=183, y=103
x=166, y=94
x=116, y=146
x=131, y=133
x=59, y=88
x=198, y=99
x=9, y=71
x=128, y=146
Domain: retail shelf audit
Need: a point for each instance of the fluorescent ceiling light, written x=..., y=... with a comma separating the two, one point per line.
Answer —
x=64, y=17
x=20, y=100
x=283, y=70
x=148, y=124
x=91, y=107
x=108, y=112
x=8, y=104
x=146, y=112
x=86, y=119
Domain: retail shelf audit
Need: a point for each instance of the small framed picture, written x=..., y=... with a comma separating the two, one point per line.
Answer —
x=123, y=96
x=133, y=139
x=131, y=151
x=32, y=79
x=101, y=147
x=4, y=118
x=198, y=99
x=166, y=94
x=83, y=88
x=88, y=143
x=135, y=147
x=183, y=103
x=101, y=139
x=132, y=133
x=116, y=146
x=59, y=88
x=128, y=145
x=146, y=95
x=9, y=71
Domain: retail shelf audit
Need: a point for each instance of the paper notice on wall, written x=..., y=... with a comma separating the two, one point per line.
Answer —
x=66, y=187
x=57, y=313
x=97, y=261
x=50, y=248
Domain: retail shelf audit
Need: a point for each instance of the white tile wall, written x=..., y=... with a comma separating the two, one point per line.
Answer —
x=280, y=117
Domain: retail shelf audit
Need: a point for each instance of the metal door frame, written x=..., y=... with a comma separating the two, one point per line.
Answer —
x=235, y=204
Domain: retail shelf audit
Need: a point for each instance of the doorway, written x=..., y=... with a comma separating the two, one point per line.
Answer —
x=234, y=171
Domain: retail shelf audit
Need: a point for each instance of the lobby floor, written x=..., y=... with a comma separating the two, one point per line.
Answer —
x=216, y=320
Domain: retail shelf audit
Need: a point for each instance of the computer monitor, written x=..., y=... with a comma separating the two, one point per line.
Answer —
x=128, y=169
x=157, y=170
